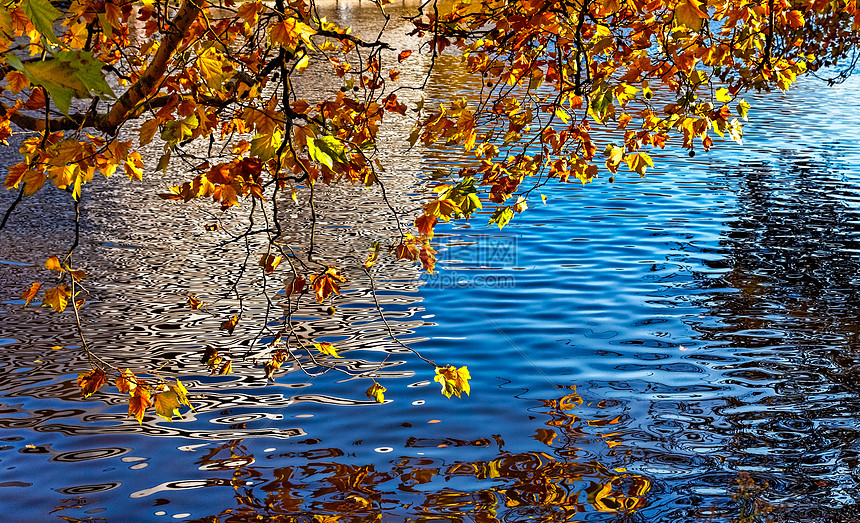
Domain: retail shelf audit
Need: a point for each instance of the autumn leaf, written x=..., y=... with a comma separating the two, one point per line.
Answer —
x=30, y=293
x=16, y=81
x=427, y=258
x=327, y=348
x=42, y=14
x=376, y=392
x=181, y=393
x=167, y=404
x=442, y=209
x=425, y=225
x=639, y=162
x=690, y=14
x=57, y=297
x=194, y=302
x=454, y=381
x=230, y=324
x=138, y=403
x=403, y=55
x=371, y=258
x=269, y=262
x=502, y=216
x=126, y=382
x=53, y=264
x=278, y=358
x=211, y=358
x=295, y=286
x=213, y=68
x=90, y=382
x=326, y=283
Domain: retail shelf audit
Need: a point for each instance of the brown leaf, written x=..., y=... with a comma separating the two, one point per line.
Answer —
x=295, y=286
x=270, y=262
x=91, y=381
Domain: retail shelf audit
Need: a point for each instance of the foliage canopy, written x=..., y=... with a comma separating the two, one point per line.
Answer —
x=568, y=88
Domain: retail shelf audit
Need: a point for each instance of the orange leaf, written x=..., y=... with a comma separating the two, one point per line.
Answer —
x=16, y=81
x=138, y=403
x=327, y=283
x=30, y=293
x=53, y=264
x=194, y=303
x=89, y=382
x=425, y=225
x=403, y=55
x=428, y=260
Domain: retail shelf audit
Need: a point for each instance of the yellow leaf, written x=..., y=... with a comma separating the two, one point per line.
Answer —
x=442, y=209
x=213, y=68
x=167, y=405
x=57, y=297
x=723, y=95
x=376, y=392
x=327, y=348
x=126, y=381
x=454, y=381
x=371, y=258
x=639, y=162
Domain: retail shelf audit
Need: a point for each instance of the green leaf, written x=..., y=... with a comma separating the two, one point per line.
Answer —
x=176, y=131
x=42, y=14
x=68, y=74
x=88, y=70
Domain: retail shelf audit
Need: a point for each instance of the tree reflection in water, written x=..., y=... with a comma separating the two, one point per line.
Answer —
x=549, y=486
x=786, y=310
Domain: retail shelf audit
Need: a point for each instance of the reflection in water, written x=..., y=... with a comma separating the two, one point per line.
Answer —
x=787, y=305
